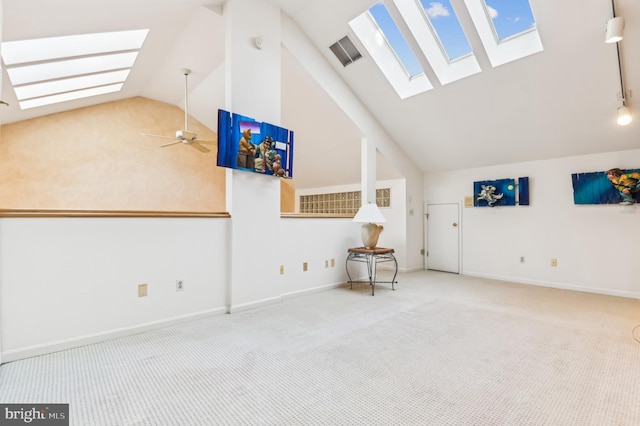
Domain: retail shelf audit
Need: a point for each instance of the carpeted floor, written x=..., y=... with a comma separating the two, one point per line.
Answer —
x=442, y=349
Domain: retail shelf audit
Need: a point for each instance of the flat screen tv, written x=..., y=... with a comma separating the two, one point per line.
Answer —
x=253, y=146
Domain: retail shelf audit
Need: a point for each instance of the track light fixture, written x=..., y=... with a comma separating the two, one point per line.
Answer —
x=615, y=28
x=624, y=115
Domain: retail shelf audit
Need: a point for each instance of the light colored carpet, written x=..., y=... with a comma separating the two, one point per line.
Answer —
x=442, y=349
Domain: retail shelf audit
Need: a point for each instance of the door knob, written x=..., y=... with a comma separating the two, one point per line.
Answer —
x=454, y=224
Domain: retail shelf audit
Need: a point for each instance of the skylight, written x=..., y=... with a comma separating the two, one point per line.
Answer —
x=70, y=68
x=395, y=38
x=445, y=23
x=383, y=40
x=510, y=17
x=59, y=69
x=439, y=34
x=70, y=84
x=69, y=96
x=507, y=29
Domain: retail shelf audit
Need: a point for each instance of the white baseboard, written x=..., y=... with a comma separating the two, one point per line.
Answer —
x=252, y=305
x=412, y=269
x=562, y=286
x=75, y=342
x=298, y=293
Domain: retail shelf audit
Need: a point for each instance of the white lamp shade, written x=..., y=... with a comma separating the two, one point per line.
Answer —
x=624, y=116
x=615, y=29
x=369, y=213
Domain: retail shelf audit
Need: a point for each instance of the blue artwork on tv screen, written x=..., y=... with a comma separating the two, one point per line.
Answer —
x=253, y=146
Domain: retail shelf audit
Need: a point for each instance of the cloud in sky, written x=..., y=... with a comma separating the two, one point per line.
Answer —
x=437, y=10
x=493, y=13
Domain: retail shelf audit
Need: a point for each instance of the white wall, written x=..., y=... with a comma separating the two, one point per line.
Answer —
x=394, y=233
x=71, y=281
x=595, y=245
x=67, y=282
x=316, y=241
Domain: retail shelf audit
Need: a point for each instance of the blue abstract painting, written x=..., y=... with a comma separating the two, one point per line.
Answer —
x=619, y=186
x=523, y=191
x=501, y=192
x=491, y=193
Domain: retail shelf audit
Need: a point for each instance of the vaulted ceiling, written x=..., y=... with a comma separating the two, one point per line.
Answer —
x=558, y=102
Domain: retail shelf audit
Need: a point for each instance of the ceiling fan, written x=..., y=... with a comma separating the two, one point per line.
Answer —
x=185, y=136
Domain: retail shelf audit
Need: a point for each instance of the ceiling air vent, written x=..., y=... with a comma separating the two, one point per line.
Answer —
x=345, y=51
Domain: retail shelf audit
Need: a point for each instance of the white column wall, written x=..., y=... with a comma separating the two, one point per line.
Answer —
x=368, y=171
x=253, y=90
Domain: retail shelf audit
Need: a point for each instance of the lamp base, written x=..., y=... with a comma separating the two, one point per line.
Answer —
x=370, y=233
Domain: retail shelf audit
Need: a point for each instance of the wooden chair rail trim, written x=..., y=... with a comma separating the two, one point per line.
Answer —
x=40, y=213
x=316, y=215
x=8, y=213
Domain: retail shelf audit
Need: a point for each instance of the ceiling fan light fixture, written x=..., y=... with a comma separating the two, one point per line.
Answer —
x=186, y=135
x=624, y=116
x=615, y=30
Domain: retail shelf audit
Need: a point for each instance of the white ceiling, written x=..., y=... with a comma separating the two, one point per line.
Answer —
x=560, y=102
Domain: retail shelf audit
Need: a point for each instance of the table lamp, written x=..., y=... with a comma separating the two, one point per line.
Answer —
x=369, y=214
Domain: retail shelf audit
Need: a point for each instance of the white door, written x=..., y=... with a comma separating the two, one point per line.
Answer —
x=443, y=237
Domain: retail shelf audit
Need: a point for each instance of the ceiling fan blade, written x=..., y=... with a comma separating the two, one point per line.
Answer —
x=158, y=136
x=199, y=147
x=171, y=143
x=204, y=141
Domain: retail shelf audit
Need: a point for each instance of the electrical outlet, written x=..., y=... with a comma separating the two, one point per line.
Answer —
x=142, y=290
x=521, y=259
x=179, y=285
x=281, y=269
x=554, y=262
x=304, y=266
x=333, y=263
x=326, y=263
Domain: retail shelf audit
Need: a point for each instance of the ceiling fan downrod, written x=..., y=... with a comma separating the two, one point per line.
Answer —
x=186, y=72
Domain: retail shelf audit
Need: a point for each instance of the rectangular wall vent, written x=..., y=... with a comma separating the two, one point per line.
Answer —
x=345, y=51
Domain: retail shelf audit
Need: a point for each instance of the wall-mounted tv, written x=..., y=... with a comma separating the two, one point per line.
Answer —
x=253, y=146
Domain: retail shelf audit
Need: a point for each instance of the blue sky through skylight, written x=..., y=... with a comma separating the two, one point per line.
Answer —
x=510, y=17
x=447, y=27
x=396, y=40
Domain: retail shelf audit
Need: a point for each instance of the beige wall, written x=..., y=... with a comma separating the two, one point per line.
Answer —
x=287, y=197
x=95, y=158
